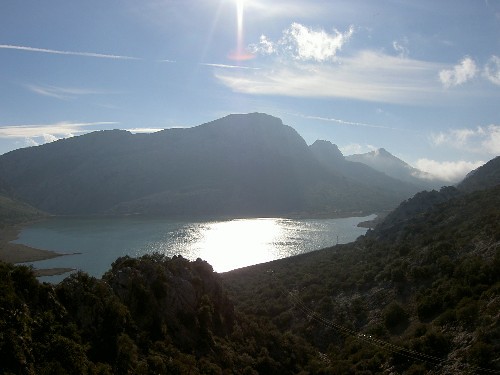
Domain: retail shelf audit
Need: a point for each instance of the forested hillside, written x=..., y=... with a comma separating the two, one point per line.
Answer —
x=418, y=296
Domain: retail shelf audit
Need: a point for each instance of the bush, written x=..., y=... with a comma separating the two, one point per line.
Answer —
x=395, y=316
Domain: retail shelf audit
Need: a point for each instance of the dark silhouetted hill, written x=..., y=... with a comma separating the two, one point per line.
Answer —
x=248, y=164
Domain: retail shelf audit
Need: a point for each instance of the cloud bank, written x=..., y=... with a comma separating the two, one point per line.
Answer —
x=450, y=171
x=482, y=139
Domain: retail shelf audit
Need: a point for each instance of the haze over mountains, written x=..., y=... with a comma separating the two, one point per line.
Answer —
x=383, y=161
x=241, y=165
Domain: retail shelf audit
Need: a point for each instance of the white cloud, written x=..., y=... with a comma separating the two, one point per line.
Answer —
x=492, y=70
x=483, y=139
x=72, y=53
x=401, y=47
x=48, y=131
x=461, y=73
x=63, y=93
x=491, y=141
x=451, y=171
x=304, y=44
x=369, y=75
x=344, y=122
x=52, y=138
x=265, y=46
x=30, y=142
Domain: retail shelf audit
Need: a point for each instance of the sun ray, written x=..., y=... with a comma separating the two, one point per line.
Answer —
x=240, y=54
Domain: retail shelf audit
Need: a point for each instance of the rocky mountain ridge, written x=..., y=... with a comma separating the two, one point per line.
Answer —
x=239, y=165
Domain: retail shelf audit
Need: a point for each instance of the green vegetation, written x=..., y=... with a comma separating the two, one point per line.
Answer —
x=419, y=294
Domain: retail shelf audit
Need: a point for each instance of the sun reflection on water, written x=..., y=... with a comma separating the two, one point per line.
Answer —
x=237, y=243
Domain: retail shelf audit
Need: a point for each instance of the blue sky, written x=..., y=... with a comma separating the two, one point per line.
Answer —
x=419, y=78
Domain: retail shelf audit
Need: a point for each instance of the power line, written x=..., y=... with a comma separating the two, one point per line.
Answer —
x=379, y=343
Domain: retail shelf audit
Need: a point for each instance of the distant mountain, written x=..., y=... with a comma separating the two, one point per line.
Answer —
x=239, y=165
x=331, y=157
x=385, y=162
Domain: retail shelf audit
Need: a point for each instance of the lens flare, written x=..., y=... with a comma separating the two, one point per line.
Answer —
x=240, y=54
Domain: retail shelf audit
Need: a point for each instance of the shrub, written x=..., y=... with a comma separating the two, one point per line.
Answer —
x=395, y=316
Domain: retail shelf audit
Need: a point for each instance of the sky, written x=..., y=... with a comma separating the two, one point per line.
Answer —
x=418, y=78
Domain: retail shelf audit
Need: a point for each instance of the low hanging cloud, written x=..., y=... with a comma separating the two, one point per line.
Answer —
x=459, y=74
x=57, y=129
x=482, y=139
x=304, y=44
x=144, y=130
x=450, y=171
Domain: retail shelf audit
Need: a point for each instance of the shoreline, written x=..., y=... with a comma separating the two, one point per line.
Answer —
x=18, y=253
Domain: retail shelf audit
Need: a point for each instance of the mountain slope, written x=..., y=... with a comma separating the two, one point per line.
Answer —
x=483, y=177
x=238, y=165
x=419, y=297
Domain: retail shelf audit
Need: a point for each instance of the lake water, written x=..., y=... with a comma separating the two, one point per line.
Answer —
x=226, y=244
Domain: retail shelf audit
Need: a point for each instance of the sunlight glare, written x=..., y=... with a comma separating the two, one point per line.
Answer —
x=237, y=243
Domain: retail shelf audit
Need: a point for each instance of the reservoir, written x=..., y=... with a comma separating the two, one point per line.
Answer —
x=94, y=243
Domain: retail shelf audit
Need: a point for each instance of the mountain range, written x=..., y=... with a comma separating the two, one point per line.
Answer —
x=239, y=165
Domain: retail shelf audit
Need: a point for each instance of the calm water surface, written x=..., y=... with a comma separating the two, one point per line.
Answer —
x=226, y=244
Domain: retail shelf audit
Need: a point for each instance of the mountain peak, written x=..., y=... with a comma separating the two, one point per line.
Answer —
x=251, y=118
x=327, y=149
x=383, y=161
x=383, y=152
